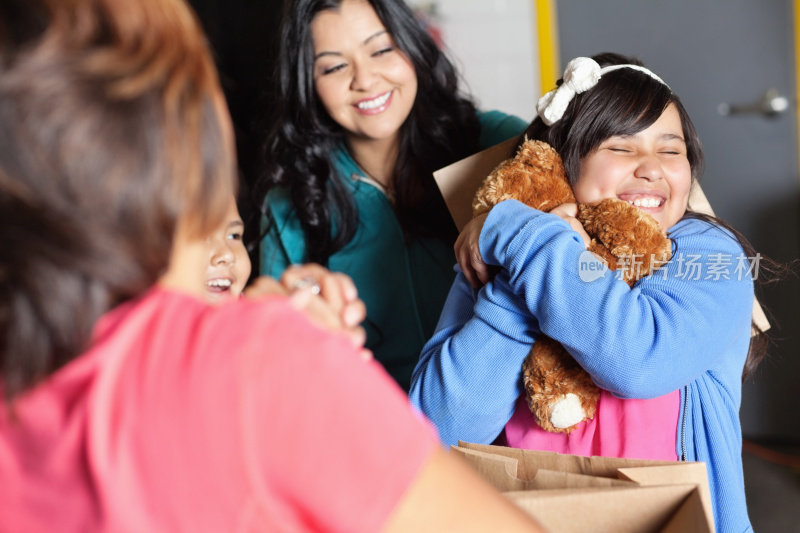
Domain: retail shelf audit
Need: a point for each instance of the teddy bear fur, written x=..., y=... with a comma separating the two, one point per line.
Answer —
x=559, y=392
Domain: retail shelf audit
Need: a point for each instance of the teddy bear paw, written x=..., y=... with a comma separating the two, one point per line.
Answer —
x=567, y=411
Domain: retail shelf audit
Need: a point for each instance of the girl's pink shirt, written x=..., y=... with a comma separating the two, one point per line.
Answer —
x=185, y=417
x=636, y=429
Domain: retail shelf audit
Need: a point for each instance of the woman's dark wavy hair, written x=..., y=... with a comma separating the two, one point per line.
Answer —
x=441, y=128
x=624, y=102
x=112, y=125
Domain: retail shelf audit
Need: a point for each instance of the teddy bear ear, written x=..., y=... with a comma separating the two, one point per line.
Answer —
x=535, y=176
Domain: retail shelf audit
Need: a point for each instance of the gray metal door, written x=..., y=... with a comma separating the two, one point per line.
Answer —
x=732, y=64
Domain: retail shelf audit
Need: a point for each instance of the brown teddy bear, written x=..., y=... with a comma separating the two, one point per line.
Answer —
x=560, y=393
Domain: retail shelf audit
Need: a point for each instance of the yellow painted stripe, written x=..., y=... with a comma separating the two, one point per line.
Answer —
x=797, y=72
x=548, y=43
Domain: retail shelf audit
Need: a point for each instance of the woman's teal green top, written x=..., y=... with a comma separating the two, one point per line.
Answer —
x=403, y=282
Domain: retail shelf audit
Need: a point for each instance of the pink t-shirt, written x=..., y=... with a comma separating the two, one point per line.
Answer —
x=185, y=417
x=635, y=429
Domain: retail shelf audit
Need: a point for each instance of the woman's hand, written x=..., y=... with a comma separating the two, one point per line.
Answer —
x=468, y=252
x=335, y=288
x=328, y=298
x=569, y=212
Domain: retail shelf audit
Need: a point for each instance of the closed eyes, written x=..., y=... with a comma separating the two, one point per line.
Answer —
x=383, y=51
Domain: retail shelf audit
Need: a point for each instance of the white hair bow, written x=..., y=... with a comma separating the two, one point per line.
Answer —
x=581, y=74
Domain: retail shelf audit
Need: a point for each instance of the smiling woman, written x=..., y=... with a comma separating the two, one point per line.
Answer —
x=365, y=83
x=369, y=106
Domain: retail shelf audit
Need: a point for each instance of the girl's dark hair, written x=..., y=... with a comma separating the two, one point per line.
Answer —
x=624, y=102
x=112, y=125
x=441, y=128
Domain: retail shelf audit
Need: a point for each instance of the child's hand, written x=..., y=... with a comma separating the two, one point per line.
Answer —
x=468, y=252
x=568, y=212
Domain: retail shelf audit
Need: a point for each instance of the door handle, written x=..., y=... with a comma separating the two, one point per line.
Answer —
x=770, y=105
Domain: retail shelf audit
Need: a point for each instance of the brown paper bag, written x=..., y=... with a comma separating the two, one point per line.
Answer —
x=576, y=494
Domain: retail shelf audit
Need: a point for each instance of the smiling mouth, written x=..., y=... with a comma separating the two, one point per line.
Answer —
x=646, y=202
x=375, y=103
x=643, y=201
x=219, y=284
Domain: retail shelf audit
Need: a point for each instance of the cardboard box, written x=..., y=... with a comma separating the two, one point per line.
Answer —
x=575, y=494
x=459, y=181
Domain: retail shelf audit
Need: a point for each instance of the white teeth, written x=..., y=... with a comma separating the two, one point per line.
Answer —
x=645, y=202
x=376, y=102
x=220, y=283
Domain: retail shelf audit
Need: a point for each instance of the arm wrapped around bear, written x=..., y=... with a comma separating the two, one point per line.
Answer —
x=559, y=392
